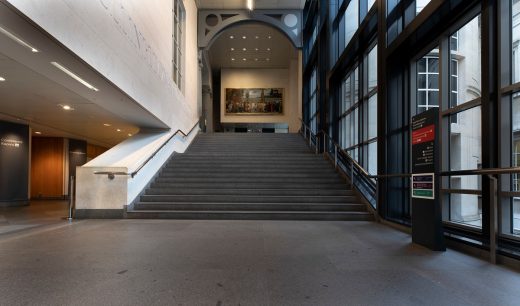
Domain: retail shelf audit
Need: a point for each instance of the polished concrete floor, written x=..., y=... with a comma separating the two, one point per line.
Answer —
x=38, y=213
x=154, y=262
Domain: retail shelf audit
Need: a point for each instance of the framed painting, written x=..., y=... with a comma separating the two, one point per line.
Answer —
x=254, y=101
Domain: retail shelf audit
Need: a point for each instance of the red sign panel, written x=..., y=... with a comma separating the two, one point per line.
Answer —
x=424, y=134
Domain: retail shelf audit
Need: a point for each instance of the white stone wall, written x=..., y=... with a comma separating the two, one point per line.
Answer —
x=130, y=43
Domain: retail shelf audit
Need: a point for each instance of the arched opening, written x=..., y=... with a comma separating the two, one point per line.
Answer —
x=255, y=72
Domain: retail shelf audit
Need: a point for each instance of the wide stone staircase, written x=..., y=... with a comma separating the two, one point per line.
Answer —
x=249, y=176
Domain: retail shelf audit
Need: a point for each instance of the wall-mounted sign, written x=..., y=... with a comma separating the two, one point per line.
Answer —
x=9, y=142
x=423, y=186
x=254, y=101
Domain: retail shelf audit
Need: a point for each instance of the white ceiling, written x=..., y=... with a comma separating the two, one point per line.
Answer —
x=258, y=4
x=261, y=51
x=34, y=88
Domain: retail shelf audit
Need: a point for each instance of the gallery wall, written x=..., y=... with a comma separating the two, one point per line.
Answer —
x=14, y=164
x=265, y=78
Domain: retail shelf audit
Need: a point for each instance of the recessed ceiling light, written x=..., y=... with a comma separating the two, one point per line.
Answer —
x=106, y=124
x=256, y=49
x=257, y=37
x=256, y=60
x=244, y=37
x=129, y=135
x=231, y=37
x=269, y=36
x=232, y=58
x=66, y=107
x=244, y=49
x=18, y=40
x=74, y=76
x=119, y=130
x=268, y=49
x=2, y=79
x=267, y=59
x=39, y=133
x=232, y=49
x=244, y=59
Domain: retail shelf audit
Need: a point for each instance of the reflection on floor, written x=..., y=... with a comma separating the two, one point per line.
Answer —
x=168, y=262
x=38, y=213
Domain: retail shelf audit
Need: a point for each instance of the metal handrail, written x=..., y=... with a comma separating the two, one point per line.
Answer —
x=489, y=171
x=111, y=175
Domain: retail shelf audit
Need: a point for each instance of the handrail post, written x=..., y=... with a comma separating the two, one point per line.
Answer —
x=71, y=197
x=493, y=231
x=324, y=145
x=352, y=173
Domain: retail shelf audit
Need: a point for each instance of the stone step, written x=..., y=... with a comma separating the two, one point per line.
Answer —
x=248, y=185
x=295, y=207
x=251, y=215
x=251, y=192
x=273, y=179
x=247, y=199
x=248, y=175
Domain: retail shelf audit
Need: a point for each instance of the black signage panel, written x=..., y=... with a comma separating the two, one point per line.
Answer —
x=14, y=164
x=426, y=206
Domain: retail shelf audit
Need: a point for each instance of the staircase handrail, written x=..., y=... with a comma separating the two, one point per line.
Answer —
x=111, y=174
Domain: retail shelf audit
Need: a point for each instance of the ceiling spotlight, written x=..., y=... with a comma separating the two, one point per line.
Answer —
x=119, y=130
x=268, y=49
x=38, y=133
x=256, y=49
x=232, y=49
x=233, y=59
x=267, y=59
x=129, y=135
x=244, y=37
x=231, y=37
x=269, y=36
x=244, y=49
x=2, y=79
x=250, y=5
x=66, y=107
x=244, y=59
x=256, y=60
x=106, y=124
x=257, y=37
x=18, y=40
x=74, y=76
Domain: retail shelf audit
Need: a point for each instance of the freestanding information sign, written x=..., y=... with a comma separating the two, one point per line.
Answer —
x=426, y=205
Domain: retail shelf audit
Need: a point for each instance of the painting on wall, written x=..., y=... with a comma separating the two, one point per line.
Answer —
x=254, y=101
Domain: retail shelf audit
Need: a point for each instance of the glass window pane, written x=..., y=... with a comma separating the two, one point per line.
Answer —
x=465, y=64
x=370, y=4
x=356, y=86
x=372, y=117
x=516, y=216
x=351, y=20
x=465, y=208
x=372, y=158
x=420, y=4
x=427, y=91
x=515, y=32
x=465, y=142
x=372, y=69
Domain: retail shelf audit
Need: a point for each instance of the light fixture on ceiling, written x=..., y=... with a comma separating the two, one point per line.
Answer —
x=244, y=49
x=268, y=49
x=18, y=40
x=106, y=124
x=267, y=59
x=244, y=37
x=66, y=107
x=74, y=76
x=38, y=133
x=257, y=37
x=269, y=36
x=233, y=59
x=256, y=49
x=231, y=37
x=244, y=59
x=250, y=5
x=2, y=79
x=256, y=60
x=232, y=49
x=129, y=135
x=119, y=130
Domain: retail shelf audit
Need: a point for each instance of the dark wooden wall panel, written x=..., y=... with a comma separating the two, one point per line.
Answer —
x=47, y=167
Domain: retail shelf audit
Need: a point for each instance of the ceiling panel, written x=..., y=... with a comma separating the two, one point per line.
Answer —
x=260, y=45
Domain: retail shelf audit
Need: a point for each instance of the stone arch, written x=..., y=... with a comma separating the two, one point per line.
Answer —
x=213, y=22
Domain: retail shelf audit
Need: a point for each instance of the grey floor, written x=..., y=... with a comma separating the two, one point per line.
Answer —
x=154, y=262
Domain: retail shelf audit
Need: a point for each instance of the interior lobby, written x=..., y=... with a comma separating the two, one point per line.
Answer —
x=260, y=152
